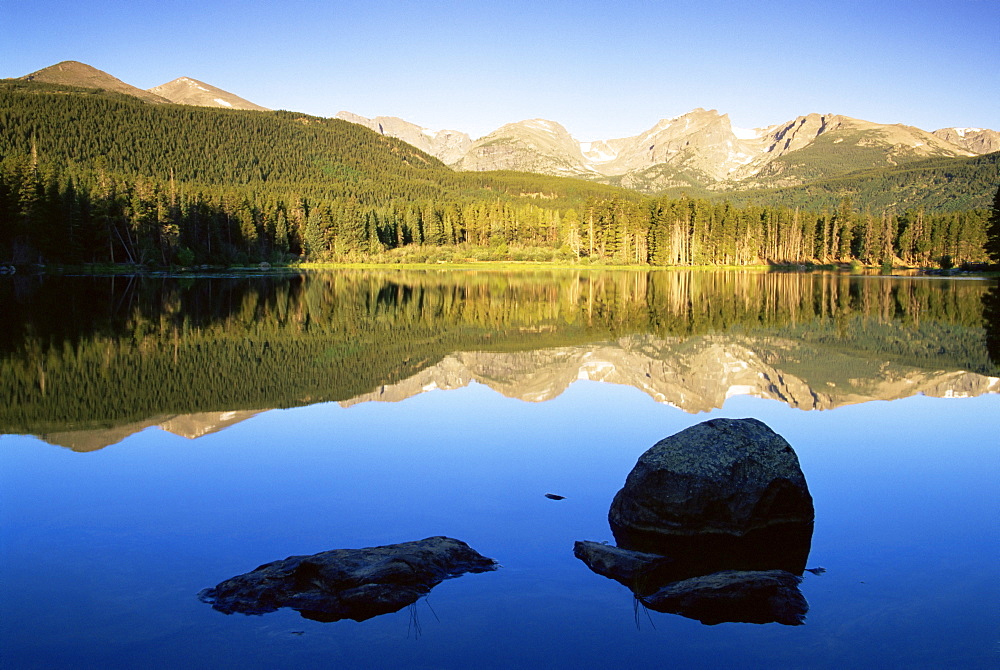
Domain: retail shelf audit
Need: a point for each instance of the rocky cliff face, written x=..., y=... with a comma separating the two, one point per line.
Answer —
x=535, y=145
x=188, y=91
x=701, y=141
x=977, y=140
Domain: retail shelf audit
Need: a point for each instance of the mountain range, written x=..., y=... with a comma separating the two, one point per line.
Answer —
x=700, y=148
x=697, y=150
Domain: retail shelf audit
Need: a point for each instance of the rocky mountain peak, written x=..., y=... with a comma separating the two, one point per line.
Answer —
x=75, y=73
x=188, y=91
x=533, y=145
x=976, y=140
x=702, y=141
x=798, y=133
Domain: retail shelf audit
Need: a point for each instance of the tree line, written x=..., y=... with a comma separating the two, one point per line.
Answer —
x=48, y=215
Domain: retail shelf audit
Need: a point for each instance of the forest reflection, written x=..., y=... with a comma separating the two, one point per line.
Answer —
x=96, y=352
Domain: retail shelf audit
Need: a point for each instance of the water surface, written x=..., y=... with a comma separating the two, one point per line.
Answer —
x=162, y=436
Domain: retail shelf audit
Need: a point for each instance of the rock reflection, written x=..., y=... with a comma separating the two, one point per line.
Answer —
x=353, y=584
x=713, y=523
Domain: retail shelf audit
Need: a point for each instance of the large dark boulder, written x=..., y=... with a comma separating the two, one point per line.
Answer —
x=348, y=583
x=759, y=596
x=726, y=488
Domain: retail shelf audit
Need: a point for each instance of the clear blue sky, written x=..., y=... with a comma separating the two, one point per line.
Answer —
x=602, y=69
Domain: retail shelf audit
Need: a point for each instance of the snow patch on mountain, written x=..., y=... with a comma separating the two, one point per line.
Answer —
x=541, y=124
x=748, y=133
x=188, y=91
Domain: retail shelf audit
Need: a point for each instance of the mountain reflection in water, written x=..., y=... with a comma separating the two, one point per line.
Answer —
x=85, y=361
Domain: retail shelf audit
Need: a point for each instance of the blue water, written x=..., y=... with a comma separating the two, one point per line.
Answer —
x=102, y=554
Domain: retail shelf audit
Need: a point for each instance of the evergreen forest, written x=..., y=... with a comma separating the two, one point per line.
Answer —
x=89, y=177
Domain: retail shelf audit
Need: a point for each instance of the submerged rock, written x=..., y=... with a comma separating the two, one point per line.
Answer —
x=725, y=485
x=348, y=583
x=757, y=596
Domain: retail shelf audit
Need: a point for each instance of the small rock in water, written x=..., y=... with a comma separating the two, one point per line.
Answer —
x=553, y=496
x=348, y=583
x=816, y=571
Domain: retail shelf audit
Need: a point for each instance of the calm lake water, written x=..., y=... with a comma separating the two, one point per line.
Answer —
x=162, y=435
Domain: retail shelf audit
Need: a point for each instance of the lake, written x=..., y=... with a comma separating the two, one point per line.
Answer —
x=161, y=435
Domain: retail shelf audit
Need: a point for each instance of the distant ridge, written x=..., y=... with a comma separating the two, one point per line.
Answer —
x=188, y=91
x=700, y=150
x=75, y=73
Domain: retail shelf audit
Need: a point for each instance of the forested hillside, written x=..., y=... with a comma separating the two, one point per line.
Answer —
x=96, y=177
x=936, y=185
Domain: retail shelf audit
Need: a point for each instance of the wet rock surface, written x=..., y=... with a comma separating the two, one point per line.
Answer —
x=348, y=583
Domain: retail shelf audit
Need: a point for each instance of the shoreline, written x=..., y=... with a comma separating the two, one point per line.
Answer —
x=267, y=269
